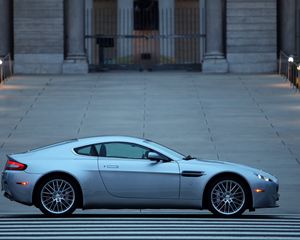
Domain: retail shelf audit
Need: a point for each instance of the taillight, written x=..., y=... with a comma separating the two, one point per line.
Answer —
x=14, y=165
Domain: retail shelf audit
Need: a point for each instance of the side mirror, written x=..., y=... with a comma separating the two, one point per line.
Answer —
x=153, y=156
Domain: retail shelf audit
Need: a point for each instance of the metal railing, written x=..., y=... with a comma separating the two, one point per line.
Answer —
x=129, y=39
x=6, y=68
x=105, y=47
x=289, y=67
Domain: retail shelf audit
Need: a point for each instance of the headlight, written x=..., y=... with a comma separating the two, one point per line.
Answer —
x=264, y=178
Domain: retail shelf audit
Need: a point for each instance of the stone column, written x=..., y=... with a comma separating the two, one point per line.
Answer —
x=288, y=26
x=202, y=29
x=88, y=28
x=167, y=28
x=75, y=59
x=5, y=27
x=298, y=28
x=214, y=60
x=125, y=27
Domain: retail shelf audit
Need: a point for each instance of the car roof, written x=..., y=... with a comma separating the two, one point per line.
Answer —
x=73, y=143
x=109, y=138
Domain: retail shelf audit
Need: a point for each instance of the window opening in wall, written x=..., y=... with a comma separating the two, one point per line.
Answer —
x=146, y=15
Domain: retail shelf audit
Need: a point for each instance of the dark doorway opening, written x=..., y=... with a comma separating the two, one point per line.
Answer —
x=146, y=16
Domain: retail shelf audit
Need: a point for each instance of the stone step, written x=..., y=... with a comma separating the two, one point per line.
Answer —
x=251, y=57
x=249, y=20
x=233, y=4
x=251, y=34
x=251, y=27
x=268, y=67
x=252, y=49
x=257, y=12
x=251, y=41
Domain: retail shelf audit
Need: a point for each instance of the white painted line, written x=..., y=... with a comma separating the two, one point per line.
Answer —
x=154, y=229
x=149, y=238
x=274, y=227
x=143, y=221
x=176, y=233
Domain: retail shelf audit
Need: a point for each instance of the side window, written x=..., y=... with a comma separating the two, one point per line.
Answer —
x=123, y=150
x=87, y=151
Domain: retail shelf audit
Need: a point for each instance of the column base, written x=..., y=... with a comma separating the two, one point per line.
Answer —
x=75, y=66
x=215, y=65
x=38, y=63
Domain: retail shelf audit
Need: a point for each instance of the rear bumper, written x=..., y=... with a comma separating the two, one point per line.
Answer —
x=13, y=190
x=7, y=195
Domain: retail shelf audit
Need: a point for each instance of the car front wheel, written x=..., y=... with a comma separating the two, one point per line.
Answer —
x=227, y=197
x=57, y=196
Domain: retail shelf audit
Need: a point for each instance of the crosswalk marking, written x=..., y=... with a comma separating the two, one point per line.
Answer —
x=281, y=227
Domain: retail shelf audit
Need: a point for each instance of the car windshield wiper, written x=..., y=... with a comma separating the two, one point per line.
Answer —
x=188, y=157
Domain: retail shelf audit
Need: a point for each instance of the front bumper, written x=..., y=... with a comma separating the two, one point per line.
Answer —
x=13, y=190
x=269, y=197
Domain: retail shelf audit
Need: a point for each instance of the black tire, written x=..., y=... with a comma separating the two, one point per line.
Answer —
x=57, y=196
x=227, y=196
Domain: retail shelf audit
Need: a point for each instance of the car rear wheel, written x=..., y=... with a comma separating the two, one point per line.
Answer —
x=227, y=197
x=57, y=196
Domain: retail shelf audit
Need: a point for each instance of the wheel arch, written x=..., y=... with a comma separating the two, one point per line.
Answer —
x=60, y=174
x=227, y=174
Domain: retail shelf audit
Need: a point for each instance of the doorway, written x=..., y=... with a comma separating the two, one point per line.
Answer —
x=145, y=34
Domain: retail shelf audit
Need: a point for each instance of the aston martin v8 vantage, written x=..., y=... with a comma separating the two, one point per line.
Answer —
x=127, y=172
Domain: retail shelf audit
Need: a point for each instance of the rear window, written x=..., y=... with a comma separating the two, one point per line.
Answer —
x=89, y=150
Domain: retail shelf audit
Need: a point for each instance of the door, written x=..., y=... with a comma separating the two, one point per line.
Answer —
x=127, y=173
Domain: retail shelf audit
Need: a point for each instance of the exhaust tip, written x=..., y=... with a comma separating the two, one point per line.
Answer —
x=7, y=195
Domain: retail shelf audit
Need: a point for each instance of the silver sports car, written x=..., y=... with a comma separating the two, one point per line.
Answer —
x=126, y=172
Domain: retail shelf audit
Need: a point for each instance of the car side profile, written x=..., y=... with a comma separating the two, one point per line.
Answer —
x=125, y=172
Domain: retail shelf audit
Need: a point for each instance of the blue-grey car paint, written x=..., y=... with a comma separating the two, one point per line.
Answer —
x=131, y=183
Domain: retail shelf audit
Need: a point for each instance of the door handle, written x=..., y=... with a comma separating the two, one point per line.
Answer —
x=112, y=166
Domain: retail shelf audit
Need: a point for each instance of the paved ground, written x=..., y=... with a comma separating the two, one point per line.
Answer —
x=249, y=119
x=129, y=227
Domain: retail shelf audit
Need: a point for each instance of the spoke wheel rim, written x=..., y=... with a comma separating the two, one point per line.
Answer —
x=228, y=197
x=57, y=196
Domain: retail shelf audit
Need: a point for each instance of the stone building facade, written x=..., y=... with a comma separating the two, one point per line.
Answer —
x=61, y=36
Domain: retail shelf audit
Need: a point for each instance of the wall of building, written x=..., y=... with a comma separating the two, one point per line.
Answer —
x=252, y=35
x=250, y=41
x=38, y=36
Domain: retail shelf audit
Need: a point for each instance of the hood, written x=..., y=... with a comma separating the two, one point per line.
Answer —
x=231, y=166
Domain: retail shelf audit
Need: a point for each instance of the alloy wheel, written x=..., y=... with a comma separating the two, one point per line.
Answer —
x=57, y=196
x=228, y=197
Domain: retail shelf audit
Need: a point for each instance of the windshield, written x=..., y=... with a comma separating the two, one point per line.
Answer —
x=166, y=149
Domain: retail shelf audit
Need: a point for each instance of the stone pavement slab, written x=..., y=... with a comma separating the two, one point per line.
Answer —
x=248, y=119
